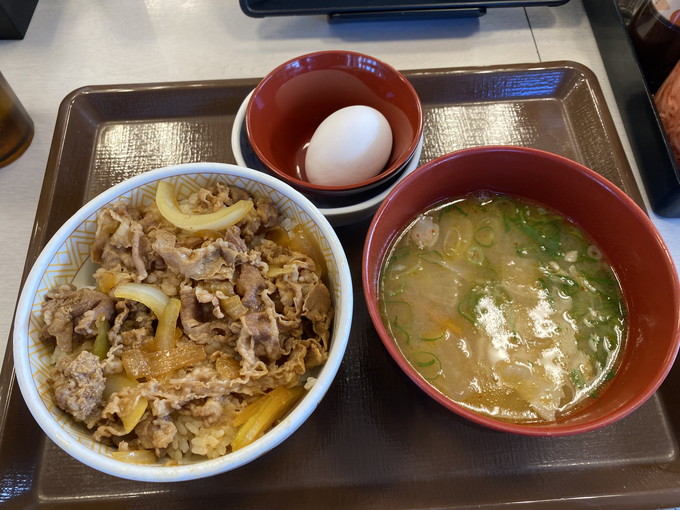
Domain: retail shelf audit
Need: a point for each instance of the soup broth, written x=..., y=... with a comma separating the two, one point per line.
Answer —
x=504, y=306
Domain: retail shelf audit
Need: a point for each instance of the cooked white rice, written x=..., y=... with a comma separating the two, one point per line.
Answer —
x=194, y=438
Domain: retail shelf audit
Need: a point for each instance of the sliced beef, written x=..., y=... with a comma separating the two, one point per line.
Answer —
x=133, y=325
x=109, y=429
x=211, y=411
x=78, y=385
x=120, y=242
x=214, y=259
x=173, y=394
x=262, y=327
x=263, y=216
x=316, y=354
x=252, y=367
x=151, y=218
x=260, y=334
x=155, y=433
x=217, y=197
x=267, y=213
x=233, y=236
x=249, y=285
x=68, y=310
x=198, y=320
x=317, y=303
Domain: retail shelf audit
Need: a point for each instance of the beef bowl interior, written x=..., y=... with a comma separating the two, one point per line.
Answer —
x=622, y=231
x=262, y=346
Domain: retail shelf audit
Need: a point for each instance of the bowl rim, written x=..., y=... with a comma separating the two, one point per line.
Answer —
x=286, y=427
x=386, y=172
x=551, y=429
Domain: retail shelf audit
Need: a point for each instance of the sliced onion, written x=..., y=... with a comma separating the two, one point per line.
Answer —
x=136, y=456
x=149, y=295
x=167, y=325
x=233, y=307
x=131, y=419
x=138, y=364
x=218, y=220
x=275, y=404
x=116, y=383
x=302, y=241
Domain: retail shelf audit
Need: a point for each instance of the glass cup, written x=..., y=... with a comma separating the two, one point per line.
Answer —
x=16, y=127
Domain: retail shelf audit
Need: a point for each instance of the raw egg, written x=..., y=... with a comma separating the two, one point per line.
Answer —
x=351, y=145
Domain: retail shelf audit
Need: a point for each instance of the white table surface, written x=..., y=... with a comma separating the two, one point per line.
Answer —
x=73, y=43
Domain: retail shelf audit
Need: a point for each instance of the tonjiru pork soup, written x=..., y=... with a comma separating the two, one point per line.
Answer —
x=504, y=306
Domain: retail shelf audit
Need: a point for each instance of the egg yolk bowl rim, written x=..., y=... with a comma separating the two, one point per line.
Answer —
x=400, y=162
x=336, y=215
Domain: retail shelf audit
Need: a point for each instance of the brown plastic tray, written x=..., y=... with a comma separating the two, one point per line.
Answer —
x=376, y=440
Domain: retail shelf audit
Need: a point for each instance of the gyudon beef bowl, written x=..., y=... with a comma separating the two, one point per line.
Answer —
x=183, y=322
x=522, y=291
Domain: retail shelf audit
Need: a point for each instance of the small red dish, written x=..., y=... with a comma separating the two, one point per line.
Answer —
x=618, y=225
x=292, y=100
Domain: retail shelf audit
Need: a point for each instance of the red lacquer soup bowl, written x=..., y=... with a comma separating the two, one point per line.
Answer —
x=622, y=230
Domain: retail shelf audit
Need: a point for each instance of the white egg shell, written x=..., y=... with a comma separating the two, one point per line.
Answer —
x=351, y=145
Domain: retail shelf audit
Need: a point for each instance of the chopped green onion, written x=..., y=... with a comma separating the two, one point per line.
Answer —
x=429, y=338
x=577, y=378
x=427, y=364
x=399, y=290
x=454, y=207
x=451, y=208
x=484, y=236
x=401, y=329
x=400, y=310
x=549, y=246
x=467, y=306
x=401, y=252
x=433, y=257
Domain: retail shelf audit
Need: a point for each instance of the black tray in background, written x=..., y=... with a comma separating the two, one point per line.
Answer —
x=648, y=139
x=380, y=9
